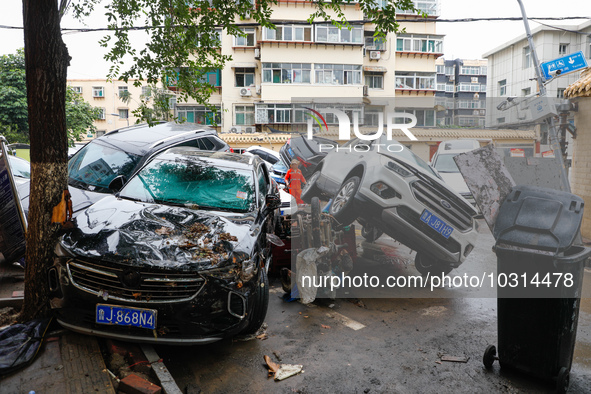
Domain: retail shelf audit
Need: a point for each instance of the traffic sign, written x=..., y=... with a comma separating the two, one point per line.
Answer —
x=563, y=65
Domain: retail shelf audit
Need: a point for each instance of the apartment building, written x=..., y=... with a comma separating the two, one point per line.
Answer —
x=512, y=78
x=111, y=98
x=461, y=92
x=319, y=66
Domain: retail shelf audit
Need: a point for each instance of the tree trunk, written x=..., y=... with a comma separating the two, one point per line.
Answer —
x=46, y=62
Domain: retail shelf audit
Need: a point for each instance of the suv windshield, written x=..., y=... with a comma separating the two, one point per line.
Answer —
x=95, y=166
x=405, y=154
x=446, y=163
x=192, y=182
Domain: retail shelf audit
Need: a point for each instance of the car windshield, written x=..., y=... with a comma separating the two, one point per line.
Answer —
x=192, y=181
x=446, y=163
x=20, y=168
x=95, y=166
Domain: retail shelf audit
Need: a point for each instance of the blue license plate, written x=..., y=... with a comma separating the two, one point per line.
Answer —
x=131, y=317
x=436, y=223
x=290, y=152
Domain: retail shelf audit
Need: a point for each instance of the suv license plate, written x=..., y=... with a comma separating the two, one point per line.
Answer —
x=436, y=224
x=131, y=317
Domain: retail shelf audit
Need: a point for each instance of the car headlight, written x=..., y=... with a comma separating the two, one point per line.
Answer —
x=384, y=191
x=403, y=172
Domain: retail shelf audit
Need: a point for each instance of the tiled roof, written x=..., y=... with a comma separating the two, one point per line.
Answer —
x=582, y=87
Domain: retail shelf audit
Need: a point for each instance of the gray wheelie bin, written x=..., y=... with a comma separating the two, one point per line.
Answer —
x=539, y=281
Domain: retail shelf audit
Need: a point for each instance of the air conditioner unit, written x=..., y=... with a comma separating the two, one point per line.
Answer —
x=365, y=90
x=375, y=55
x=257, y=53
x=245, y=92
x=452, y=77
x=236, y=129
x=258, y=89
x=250, y=129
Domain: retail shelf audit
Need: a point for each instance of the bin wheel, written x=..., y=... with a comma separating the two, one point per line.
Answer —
x=489, y=356
x=563, y=381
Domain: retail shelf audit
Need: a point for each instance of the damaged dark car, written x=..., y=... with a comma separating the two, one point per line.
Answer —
x=179, y=256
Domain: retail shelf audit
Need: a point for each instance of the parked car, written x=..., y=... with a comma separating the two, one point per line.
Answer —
x=278, y=171
x=392, y=190
x=269, y=156
x=309, y=152
x=445, y=165
x=109, y=161
x=179, y=256
x=21, y=169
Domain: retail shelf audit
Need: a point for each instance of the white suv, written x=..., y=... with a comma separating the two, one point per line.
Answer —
x=386, y=186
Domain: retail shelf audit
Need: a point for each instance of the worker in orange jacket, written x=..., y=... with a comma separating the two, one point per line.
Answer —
x=294, y=180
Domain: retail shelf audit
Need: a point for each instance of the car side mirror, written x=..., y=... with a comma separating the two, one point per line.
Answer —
x=273, y=201
x=117, y=183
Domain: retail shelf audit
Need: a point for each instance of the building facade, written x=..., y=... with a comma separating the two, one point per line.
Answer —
x=461, y=92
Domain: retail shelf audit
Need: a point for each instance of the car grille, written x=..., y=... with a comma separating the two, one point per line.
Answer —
x=154, y=285
x=415, y=220
x=458, y=215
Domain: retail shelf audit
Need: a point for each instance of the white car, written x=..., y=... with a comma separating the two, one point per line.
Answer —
x=384, y=185
x=288, y=202
x=269, y=156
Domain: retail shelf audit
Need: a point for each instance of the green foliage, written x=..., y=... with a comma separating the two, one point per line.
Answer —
x=182, y=44
x=13, y=95
x=13, y=104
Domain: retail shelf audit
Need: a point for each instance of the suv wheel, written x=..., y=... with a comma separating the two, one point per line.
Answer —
x=343, y=203
x=426, y=264
x=310, y=189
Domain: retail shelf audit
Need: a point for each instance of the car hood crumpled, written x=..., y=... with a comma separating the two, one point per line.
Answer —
x=136, y=233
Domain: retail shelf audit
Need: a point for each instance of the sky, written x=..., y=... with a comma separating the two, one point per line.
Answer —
x=462, y=40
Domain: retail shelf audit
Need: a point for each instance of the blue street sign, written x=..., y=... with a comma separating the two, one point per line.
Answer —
x=566, y=64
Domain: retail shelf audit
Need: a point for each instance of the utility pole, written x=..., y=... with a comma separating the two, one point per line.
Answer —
x=552, y=134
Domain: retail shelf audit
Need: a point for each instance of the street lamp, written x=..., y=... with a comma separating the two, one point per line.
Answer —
x=119, y=116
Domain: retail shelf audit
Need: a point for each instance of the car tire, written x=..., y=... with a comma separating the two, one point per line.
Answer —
x=427, y=265
x=261, y=304
x=310, y=189
x=342, y=207
x=371, y=233
x=315, y=218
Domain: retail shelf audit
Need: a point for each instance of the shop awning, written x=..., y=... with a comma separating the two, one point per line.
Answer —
x=375, y=69
x=244, y=65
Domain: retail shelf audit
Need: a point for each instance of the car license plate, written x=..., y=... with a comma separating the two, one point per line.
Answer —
x=131, y=317
x=290, y=152
x=436, y=224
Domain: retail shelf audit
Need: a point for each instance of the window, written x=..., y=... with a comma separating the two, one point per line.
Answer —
x=244, y=77
x=469, y=104
x=123, y=113
x=287, y=72
x=503, y=87
x=98, y=91
x=211, y=40
x=501, y=120
x=244, y=115
x=449, y=70
x=441, y=87
x=372, y=116
x=200, y=114
x=469, y=87
x=562, y=49
x=374, y=43
x=525, y=92
x=289, y=33
x=337, y=74
x=214, y=78
x=275, y=113
x=526, y=57
x=419, y=43
x=449, y=88
x=146, y=91
x=427, y=6
x=122, y=91
x=77, y=89
x=246, y=40
x=374, y=80
x=102, y=115
x=440, y=69
x=470, y=70
x=330, y=33
x=425, y=117
x=421, y=81
x=560, y=93
x=263, y=186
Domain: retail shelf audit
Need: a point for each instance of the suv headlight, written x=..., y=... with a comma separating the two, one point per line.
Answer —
x=397, y=168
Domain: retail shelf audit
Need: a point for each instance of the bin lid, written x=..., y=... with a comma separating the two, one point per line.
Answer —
x=539, y=218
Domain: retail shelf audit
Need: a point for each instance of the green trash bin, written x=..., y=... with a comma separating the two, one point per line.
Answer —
x=540, y=275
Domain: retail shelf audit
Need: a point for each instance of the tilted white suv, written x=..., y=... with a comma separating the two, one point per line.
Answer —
x=386, y=186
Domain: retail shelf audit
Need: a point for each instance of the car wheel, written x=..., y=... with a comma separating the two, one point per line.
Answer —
x=310, y=189
x=343, y=203
x=427, y=265
x=315, y=218
x=261, y=303
x=371, y=233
